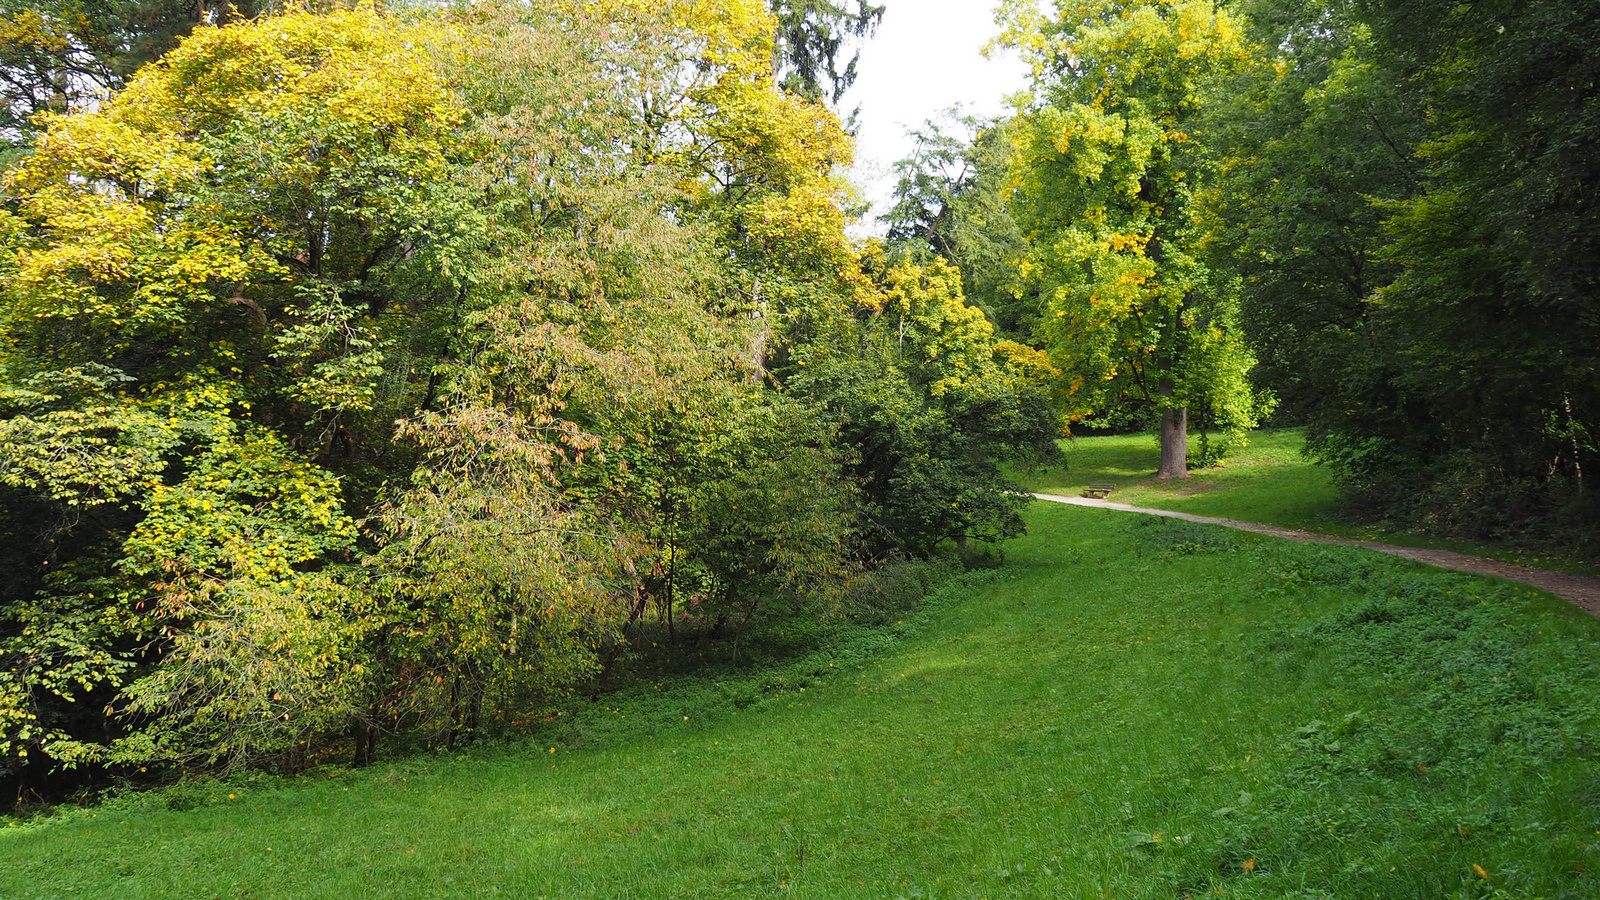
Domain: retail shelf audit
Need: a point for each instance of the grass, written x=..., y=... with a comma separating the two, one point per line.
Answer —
x=1268, y=481
x=1127, y=709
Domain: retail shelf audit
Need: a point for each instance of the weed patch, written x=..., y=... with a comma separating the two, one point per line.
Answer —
x=1181, y=538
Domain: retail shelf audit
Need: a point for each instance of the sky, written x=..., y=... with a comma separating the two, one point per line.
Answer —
x=926, y=56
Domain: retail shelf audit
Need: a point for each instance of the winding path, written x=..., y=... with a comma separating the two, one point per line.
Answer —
x=1581, y=590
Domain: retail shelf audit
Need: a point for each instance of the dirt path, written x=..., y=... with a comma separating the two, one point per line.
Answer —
x=1582, y=590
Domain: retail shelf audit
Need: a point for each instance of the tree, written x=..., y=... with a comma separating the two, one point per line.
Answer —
x=1487, y=419
x=772, y=528
x=347, y=360
x=928, y=401
x=57, y=55
x=1111, y=171
x=952, y=199
x=811, y=40
x=208, y=278
x=1314, y=146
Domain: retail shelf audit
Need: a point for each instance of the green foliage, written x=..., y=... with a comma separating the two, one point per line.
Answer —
x=1493, y=313
x=811, y=39
x=952, y=199
x=928, y=401
x=493, y=592
x=899, y=587
x=1400, y=195
x=1111, y=168
x=774, y=525
x=261, y=641
x=360, y=370
x=1313, y=142
x=70, y=447
x=202, y=280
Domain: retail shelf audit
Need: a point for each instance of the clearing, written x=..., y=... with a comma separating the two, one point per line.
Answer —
x=1267, y=482
x=1129, y=708
x=1583, y=590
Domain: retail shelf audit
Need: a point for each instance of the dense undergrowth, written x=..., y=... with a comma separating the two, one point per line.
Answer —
x=1127, y=708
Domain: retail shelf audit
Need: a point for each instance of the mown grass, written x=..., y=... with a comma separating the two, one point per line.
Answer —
x=1268, y=481
x=1129, y=709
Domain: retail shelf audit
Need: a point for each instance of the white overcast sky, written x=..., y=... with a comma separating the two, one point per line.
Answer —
x=926, y=56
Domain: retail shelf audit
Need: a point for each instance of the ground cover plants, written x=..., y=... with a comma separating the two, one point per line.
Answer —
x=1129, y=707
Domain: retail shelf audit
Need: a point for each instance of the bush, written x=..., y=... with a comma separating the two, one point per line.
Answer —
x=898, y=587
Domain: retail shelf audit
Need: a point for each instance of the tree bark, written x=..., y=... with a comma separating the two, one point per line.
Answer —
x=1577, y=450
x=1174, y=444
x=366, y=740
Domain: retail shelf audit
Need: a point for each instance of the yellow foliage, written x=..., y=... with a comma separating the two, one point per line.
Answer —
x=1109, y=152
x=100, y=183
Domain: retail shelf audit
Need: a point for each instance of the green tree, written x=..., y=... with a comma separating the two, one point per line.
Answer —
x=1471, y=408
x=773, y=527
x=208, y=277
x=813, y=40
x=1313, y=145
x=1510, y=165
x=1112, y=171
x=929, y=401
x=359, y=370
x=952, y=199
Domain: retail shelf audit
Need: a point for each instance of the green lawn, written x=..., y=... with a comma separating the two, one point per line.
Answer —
x=1267, y=481
x=1127, y=709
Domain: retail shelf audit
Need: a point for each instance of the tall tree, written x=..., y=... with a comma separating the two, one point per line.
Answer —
x=1112, y=170
x=952, y=199
x=209, y=278
x=57, y=55
x=486, y=281
x=1479, y=411
x=815, y=53
x=1314, y=147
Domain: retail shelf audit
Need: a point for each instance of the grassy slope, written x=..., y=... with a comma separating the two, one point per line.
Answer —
x=1267, y=481
x=1128, y=709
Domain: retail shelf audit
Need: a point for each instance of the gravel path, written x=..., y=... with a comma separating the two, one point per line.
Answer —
x=1582, y=590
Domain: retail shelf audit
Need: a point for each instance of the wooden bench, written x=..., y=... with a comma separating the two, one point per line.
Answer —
x=1099, y=491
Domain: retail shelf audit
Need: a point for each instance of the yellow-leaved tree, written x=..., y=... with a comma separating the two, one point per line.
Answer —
x=1111, y=173
x=215, y=285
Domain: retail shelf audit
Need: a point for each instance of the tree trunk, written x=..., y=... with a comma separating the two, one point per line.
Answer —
x=366, y=740
x=1577, y=450
x=1174, y=444
x=454, y=733
x=672, y=571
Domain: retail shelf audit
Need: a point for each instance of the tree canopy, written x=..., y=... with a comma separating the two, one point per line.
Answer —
x=1384, y=204
x=1413, y=233
x=369, y=374
x=813, y=53
x=1112, y=177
